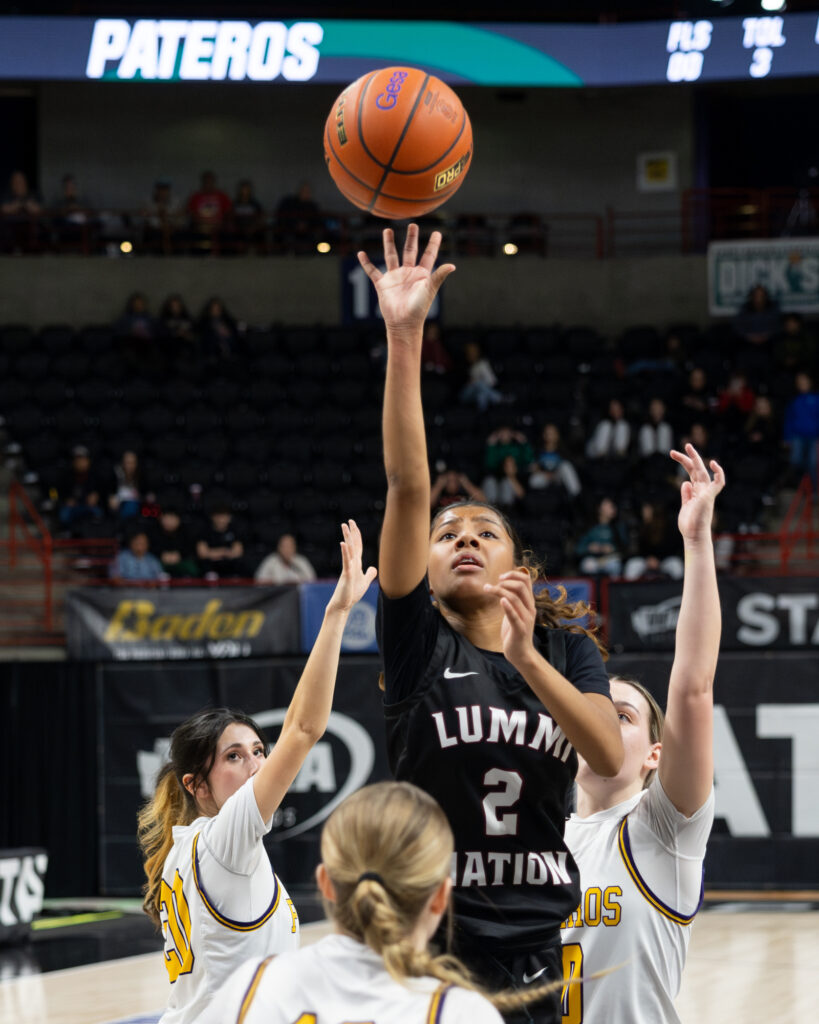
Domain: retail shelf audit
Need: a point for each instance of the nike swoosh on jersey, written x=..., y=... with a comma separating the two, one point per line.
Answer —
x=449, y=674
x=527, y=978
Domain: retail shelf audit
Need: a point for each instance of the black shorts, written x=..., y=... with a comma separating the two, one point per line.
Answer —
x=521, y=972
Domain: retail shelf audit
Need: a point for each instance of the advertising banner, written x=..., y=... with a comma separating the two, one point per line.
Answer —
x=123, y=624
x=787, y=267
x=22, y=884
x=141, y=705
x=758, y=613
x=359, y=633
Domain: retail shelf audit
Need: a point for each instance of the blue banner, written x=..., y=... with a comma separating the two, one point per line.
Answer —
x=359, y=634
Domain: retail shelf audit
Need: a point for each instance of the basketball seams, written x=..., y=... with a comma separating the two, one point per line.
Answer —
x=443, y=156
x=401, y=138
x=355, y=169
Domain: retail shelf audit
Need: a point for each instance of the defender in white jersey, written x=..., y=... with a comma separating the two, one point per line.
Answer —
x=639, y=838
x=210, y=883
x=385, y=877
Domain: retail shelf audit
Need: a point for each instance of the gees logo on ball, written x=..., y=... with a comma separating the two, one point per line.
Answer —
x=387, y=99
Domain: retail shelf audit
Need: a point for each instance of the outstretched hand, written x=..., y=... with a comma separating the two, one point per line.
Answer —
x=698, y=494
x=407, y=288
x=514, y=590
x=353, y=582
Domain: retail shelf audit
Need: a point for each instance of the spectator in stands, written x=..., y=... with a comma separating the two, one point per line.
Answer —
x=734, y=403
x=796, y=345
x=611, y=437
x=655, y=436
x=801, y=429
x=163, y=218
x=507, y=441
x=480, y=388
x=21, y=209
x=176, y=327
x=434, y=357
x=505, y=488
x=698, y=401
x=657, y=546
x=218, y=331
x=79, y=492
x=452, y=486
x=298, y=221
x=135, y=561
x=600, y=549
x=125, y=499
x=285, y=565
x=209, y=209
x=551, y=467
x=756, y=324
x=220, y=548
x=174, y=545
x=248, y=217
x=137, y=332
x=74, y=221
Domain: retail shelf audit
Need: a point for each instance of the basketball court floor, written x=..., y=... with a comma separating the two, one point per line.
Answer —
x=751, y=962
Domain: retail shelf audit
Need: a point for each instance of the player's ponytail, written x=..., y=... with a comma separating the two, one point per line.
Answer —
x=387, y=849
x=192, y=752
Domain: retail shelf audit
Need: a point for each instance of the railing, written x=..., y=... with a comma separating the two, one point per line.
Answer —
x=798, y=525
x=685, y=225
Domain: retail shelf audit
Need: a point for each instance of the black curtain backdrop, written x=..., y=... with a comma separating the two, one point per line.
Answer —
x=48, y=769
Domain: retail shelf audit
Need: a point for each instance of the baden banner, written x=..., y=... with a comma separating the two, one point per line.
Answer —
x=787, y=267
x=758, y=613
x=122, y=624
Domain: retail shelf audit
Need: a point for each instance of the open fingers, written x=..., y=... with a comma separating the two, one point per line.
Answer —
x=411, y=246
x=719, y=475
x=370, y=269
x=431, y=251
x=390, y=252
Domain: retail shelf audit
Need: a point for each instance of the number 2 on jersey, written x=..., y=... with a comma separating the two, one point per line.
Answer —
x=511, y=784
x=572, y=1007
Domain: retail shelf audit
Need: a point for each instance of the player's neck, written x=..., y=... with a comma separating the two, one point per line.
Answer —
x=481, y=626
x=603, y=794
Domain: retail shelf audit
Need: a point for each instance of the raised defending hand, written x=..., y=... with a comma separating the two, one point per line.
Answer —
x=353, y=582
x=407, y=288
x=514, y=590
x=697, y=494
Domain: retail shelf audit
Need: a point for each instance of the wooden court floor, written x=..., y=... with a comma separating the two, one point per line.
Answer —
x=749, y=965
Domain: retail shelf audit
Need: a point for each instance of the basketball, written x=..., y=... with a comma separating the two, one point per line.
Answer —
x=398, y=142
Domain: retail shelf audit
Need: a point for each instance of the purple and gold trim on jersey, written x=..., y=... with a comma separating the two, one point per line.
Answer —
x=637, y=878
x=436, y=1004
x=236, y=926
x=251, y=989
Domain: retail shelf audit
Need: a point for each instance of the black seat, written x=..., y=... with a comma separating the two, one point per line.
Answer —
x=32, y=365
x=15, y=339
x=96, y=339
x=56, y=339
x=93, y=392
x=73, y=366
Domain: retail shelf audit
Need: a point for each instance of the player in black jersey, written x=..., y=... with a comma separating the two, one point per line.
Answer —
x=485, y=706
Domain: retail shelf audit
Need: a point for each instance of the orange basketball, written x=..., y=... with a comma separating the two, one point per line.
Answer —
x=398, y=142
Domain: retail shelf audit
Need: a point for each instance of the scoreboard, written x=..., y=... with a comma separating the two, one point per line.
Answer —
x=496, y=54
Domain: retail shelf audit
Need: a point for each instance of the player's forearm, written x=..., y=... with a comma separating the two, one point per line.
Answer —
x=405, y=446
x=699, y=624
x=312, y=700
x=590, y=725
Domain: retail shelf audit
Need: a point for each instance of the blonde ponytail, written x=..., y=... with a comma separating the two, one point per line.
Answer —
x=387, y=849
x=170, y=805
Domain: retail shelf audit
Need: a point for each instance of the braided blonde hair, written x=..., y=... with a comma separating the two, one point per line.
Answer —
x=387, y=849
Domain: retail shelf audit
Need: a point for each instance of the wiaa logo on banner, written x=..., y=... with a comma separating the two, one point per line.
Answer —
x=21, y=888
x=651, y=620
x=324, y=778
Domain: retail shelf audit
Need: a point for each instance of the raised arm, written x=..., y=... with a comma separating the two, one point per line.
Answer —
x=687, y=762
x=309, y=709
x=405, y=293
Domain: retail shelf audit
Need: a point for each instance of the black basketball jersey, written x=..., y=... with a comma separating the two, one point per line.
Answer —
x=472, y=733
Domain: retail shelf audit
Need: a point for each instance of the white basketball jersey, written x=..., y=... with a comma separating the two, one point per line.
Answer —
x=641, y=881
x=340, y=979
x=220, y=904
